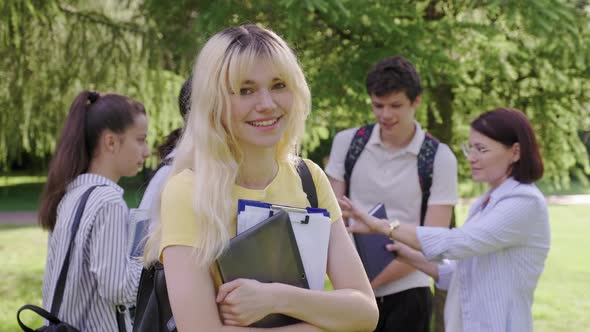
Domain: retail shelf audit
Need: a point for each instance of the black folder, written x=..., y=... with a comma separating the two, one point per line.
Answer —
x=371, y=247
x=266, y=252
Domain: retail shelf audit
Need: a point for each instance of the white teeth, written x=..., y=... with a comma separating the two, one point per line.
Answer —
x=264, y=123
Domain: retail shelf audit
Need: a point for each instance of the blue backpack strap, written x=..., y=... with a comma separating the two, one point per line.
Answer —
x=359, y=140
x=307, y=183
x=425, y=170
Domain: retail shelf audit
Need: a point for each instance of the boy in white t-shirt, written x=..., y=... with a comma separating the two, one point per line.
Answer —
x=386, y=171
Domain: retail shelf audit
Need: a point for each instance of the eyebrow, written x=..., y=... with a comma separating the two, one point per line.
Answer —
x=254, y=83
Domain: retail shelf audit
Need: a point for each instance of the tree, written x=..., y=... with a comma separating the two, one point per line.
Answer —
x=51, y=50
x=472, y=56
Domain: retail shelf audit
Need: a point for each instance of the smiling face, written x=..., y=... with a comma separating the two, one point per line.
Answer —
x=491, y=161
x=395, y=113
x=259, y=109
x=132, y=147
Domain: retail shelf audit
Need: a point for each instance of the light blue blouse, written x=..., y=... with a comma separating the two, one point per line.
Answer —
x=499, y=255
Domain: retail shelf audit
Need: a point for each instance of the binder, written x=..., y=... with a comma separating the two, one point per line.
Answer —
x=371, y=247
x=266, y=252
x=312, y=227
x=137, y=231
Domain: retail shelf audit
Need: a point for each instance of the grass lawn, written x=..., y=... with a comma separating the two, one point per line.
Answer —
x=562, y=300
x=21, y=193
x=22, y=251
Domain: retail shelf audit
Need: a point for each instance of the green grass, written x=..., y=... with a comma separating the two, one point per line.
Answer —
x=562, y=299
x=22, y=193
x=22, y=252
x=13, y=180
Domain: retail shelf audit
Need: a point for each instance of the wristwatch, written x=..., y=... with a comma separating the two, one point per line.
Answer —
x=392, y=227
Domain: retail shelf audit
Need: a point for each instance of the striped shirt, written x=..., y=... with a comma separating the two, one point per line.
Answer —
x=101, y=274
x=499, y=255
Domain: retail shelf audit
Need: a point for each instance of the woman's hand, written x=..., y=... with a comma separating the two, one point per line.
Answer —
x=244, y=301
x=405, y=253
x=363, y=222
x=414, y=257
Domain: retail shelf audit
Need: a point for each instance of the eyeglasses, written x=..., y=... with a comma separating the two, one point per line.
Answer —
x=477, y=150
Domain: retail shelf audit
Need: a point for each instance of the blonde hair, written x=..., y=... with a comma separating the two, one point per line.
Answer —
x=209, y=148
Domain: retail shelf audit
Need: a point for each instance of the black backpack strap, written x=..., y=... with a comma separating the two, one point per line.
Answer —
x=425, y=170
x=307, y=183
x=39, y=311
x=120, y=317
x=61, y=280
x=359, y=140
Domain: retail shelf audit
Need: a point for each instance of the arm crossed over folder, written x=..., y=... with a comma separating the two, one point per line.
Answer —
x=274, y=245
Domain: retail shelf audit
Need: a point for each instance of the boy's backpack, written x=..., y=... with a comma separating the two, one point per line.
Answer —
x=425, y=162
x=152, y=310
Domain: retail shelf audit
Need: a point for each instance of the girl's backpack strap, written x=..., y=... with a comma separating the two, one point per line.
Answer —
x=307, y=183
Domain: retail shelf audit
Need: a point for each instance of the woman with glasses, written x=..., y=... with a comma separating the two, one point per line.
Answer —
x=490, y=265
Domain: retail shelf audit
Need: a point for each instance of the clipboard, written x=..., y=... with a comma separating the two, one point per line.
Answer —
x=311, y=227
x=137, y=230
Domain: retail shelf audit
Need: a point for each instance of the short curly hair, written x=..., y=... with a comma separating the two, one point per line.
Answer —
x=394, y=74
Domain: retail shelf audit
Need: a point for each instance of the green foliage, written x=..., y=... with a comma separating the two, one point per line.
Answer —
x=472, y=55
x=50, y=51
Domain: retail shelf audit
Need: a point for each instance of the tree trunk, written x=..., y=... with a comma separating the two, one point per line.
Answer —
x=442, y=98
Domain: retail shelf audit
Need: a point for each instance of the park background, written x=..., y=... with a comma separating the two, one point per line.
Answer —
x=473, y=56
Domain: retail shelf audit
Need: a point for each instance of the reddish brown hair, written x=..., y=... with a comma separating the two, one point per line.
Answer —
x=509, y=126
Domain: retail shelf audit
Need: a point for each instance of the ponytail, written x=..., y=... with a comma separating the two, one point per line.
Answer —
x=70, y=160
x=89, y=115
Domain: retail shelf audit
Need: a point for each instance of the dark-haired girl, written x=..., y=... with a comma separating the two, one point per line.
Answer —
x=493, y=262
x=103, y=139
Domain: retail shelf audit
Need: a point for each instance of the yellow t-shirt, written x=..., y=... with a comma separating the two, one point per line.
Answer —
x=179, y=224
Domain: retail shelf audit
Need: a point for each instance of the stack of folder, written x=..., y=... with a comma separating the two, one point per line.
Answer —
x=277, y=244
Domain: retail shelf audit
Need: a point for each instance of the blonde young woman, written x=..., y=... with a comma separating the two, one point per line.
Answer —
x=249, y=105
